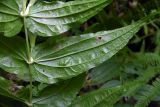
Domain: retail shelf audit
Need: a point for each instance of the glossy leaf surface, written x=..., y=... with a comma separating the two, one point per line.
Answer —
x=65, y=57
x=49, y=19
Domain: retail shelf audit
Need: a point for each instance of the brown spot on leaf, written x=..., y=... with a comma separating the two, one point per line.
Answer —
x=15, y=88
x=99, y=38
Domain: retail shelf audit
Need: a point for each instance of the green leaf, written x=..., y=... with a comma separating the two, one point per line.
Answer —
x=64, y=57
x=10, y=21
x=49, y=19
x=11, y=28
x=60, y=95
x=13, y=56
x=6, y=90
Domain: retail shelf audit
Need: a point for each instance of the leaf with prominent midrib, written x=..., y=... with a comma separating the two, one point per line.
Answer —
x=64, y=57
x=49, y=19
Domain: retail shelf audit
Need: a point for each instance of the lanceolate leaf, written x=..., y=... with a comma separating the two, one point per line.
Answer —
x=49, y=19
x=65, y=57
x=60, y=95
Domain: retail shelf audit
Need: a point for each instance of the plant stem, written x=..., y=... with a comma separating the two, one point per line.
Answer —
x=30, y=43
x=30, y=92
x=29, y=60
x=27, y=39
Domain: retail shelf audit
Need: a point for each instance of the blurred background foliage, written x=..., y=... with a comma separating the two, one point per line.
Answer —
x=140, y=56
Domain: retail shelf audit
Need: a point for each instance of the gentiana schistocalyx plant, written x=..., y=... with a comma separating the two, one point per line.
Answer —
x=58, y=63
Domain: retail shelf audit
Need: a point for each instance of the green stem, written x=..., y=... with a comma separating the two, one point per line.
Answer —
x=30, y=43
x=30, y=92
x=29, y=61
x=27, y=39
